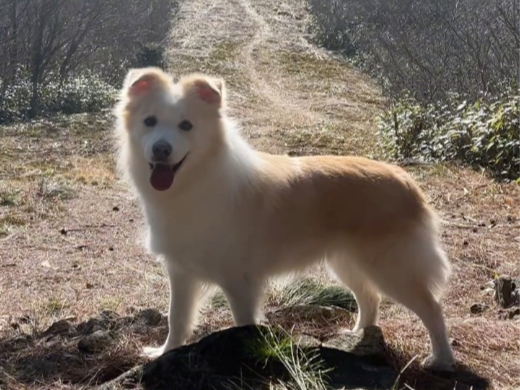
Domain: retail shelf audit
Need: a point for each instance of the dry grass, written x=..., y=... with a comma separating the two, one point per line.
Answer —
x=70, y=232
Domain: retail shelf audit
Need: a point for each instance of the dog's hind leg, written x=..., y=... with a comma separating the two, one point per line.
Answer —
x=367, y=296
x=244, y=295
x=412, y=271
x=423, y=303
x=185, y=294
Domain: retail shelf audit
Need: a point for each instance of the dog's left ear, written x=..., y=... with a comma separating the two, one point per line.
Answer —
x=208, y=89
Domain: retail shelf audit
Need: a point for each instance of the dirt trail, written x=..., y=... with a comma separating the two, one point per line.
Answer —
x=280, y=84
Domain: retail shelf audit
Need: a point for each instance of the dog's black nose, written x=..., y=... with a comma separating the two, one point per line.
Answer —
x=161, y=150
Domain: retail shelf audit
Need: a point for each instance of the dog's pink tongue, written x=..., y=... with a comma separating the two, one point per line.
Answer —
x=162, y=177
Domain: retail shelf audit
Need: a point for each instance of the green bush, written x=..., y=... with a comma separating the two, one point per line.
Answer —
x=150, y=55
x=83, y=93
x=485, y=133
x=86, y=93
x=15, y=103
x=331, y=28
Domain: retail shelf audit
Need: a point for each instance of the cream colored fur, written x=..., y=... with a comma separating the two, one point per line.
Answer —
x=235, y=217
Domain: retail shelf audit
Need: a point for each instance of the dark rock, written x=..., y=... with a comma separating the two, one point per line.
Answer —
x=127, y=380
x=62, y=327
x=106, y=320
x=140, y=322
x=366, y=342
x=150, y=317
x=507, y=291
x=455, y=343
x=109, y=315
x=16, y=343
x=95, y=342
x=25, y=319
x=305, y=341
x=124, y=322
x=236, y=353
x=93, y=325
x=509, y=314
x=478, y=308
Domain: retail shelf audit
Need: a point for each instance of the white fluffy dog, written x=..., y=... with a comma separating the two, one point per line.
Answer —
x=221, y=213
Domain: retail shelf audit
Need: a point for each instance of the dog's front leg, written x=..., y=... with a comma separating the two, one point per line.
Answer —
x=185, y=291
x=244, y=295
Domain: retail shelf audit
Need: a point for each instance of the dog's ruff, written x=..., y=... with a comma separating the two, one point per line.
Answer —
x=234, y=217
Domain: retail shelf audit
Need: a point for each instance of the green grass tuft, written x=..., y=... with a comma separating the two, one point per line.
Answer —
x=304, y=292
x=10, y=198
x=308, y=291
x=304, y=368
x=51, y=190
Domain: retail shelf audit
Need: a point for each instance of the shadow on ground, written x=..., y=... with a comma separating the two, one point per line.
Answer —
x=88, y=354
x=416, y=378
x=104, y=352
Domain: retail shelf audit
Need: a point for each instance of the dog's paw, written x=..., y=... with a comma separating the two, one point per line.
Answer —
x=153, y=352
x=351, y=332
x=434, y=363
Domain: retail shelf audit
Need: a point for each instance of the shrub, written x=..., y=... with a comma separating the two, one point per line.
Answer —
x=83, y=93
x=150, y=55
x=484, y=134
x=15, y=104
x=331, y=28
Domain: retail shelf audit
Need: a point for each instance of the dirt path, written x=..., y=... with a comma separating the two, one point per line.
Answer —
x=70, y=232
x=289, y=95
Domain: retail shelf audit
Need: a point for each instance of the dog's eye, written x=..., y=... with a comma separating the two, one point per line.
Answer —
x=185, y=125
x=150, y=121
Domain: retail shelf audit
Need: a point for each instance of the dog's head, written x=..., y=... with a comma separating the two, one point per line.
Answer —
x=170, y=125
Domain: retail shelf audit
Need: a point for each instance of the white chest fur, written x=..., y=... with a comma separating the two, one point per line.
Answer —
x=200, y=232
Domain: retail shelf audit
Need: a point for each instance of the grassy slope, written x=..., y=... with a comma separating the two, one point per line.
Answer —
x=69, y=237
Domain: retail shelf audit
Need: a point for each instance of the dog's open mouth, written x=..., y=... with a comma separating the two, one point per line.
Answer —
x=163, y=174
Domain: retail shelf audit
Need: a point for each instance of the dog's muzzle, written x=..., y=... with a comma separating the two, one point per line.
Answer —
x=161, y=151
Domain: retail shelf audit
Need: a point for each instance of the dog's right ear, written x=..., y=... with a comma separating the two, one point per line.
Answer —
x=140, y=81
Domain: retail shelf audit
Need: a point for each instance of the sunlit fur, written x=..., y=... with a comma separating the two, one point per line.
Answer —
x=235, y=217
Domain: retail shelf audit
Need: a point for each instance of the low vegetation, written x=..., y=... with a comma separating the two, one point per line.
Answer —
x=481, y=134
x=76, y=94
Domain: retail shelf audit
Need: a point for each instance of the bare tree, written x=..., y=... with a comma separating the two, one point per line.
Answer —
x=428, y=48
x=49, y=40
